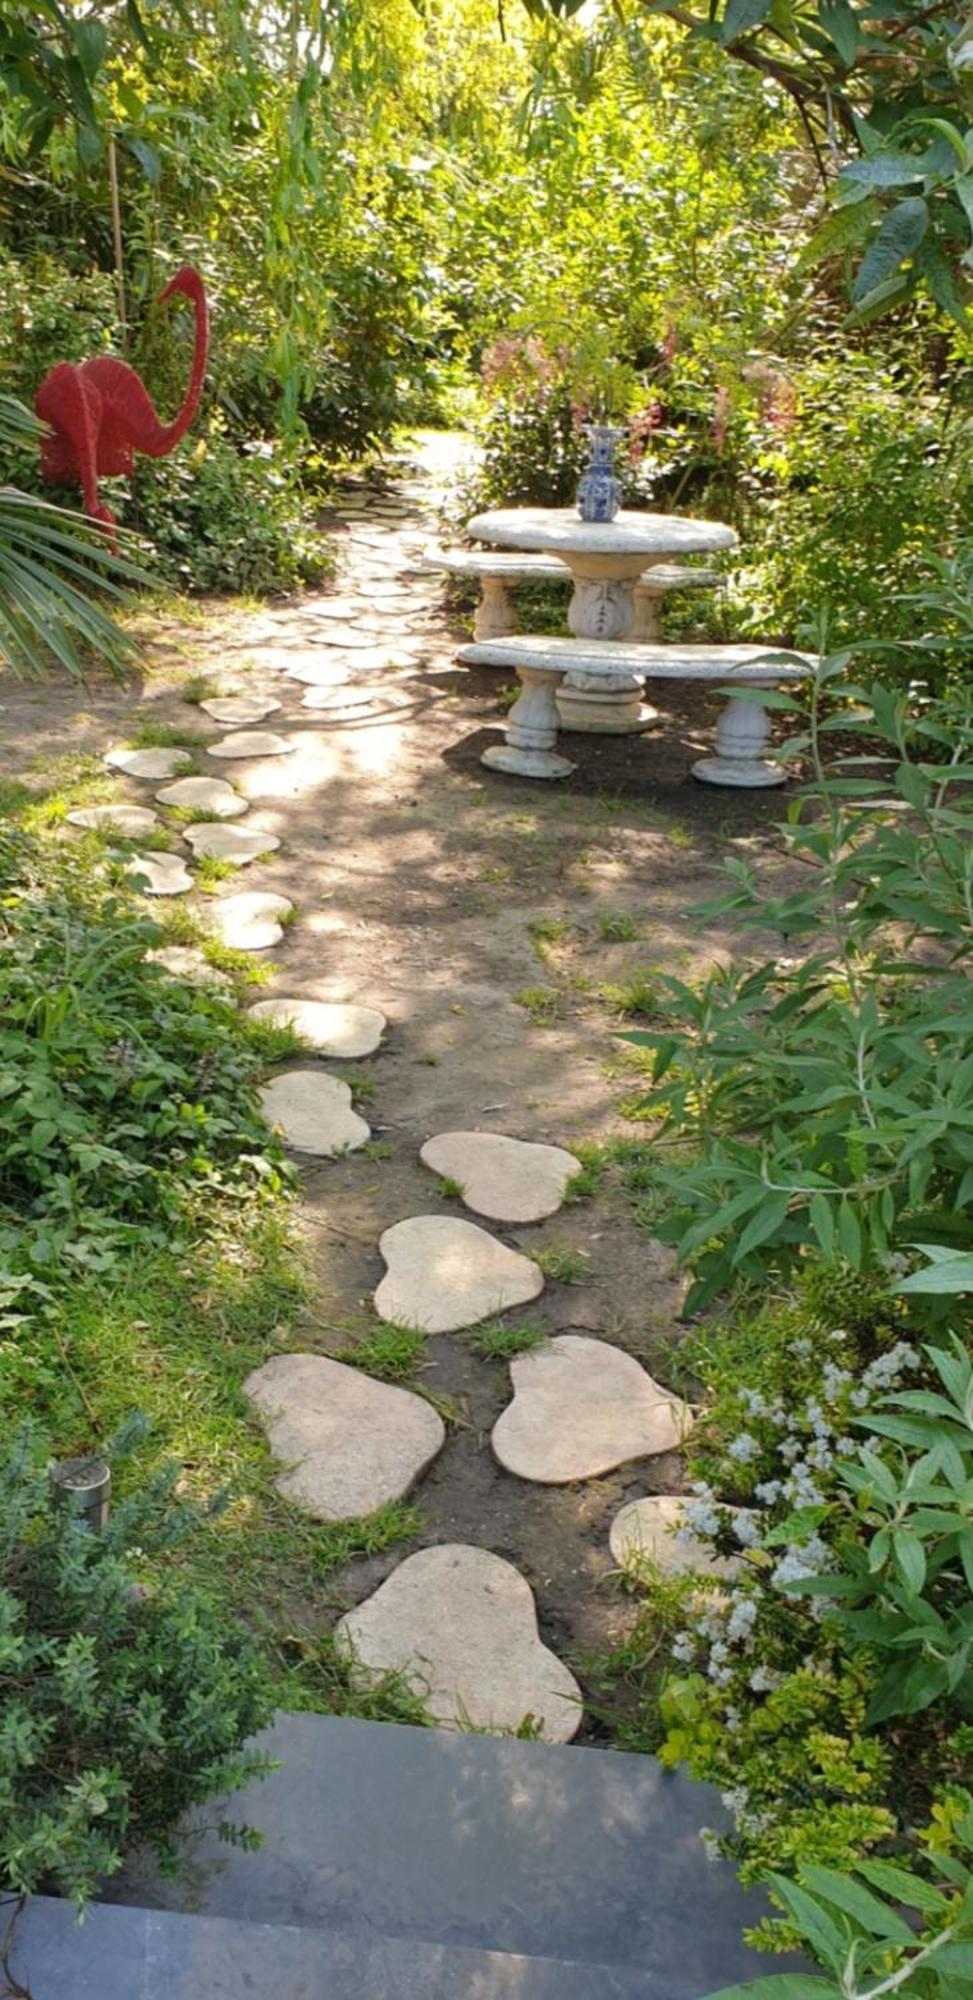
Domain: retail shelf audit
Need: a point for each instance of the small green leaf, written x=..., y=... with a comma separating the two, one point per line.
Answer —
x=740, y=16
x=898, y=239
x=857, y=1903
x=840, y=24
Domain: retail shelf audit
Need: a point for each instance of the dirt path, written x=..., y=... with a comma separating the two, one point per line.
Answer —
x=437, y=891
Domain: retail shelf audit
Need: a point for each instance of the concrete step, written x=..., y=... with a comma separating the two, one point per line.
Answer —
x=487, y=1844
x=131, y=1954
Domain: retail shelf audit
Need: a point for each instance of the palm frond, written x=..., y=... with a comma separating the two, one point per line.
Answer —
x=54, y=566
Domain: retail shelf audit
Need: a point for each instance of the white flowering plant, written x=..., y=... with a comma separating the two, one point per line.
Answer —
x=827, y=1689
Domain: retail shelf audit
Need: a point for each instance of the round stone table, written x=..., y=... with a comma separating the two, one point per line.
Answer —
x=606, y=560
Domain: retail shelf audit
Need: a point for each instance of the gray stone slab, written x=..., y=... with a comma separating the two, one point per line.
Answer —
x=129, y=1954
x=489, y=1843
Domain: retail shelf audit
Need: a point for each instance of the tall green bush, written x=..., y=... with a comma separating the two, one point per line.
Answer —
x=825, y=1099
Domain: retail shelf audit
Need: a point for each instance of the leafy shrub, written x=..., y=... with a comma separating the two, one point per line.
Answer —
x=845, y=502
x=862, y=1937
x=123, y=1705
x=540, y=395
x=124, y=1095
x=50, y=313
x=219, y=519
x=826, y=1099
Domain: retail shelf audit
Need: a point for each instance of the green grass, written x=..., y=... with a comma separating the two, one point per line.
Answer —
x=449, y=1189
x=211, y=870
x=174, y=1334
x=560, y=1262
x=316, y=1675
x=391, y=1353
x=165, y=736
x=635, y=996
x=592, y=1160
x=617, y=926
x=540, y=1002
x=546, y=932
x=497, y=1341
x=361, y=1083
x=200, y=687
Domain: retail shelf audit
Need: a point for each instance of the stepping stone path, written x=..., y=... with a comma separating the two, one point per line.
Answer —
x=163, y=874
x=444, y=1274
x=313, y=1112
x=581, y=1408
x=653, y=1530
x=506, y=1179
x=250, y=743
x=462, y=1624
x=182, y=962
x=209, y=795
x=458, y=1620
x=147, y=763
x=240, y=708
x=229, y=843
x=115, y=819
x=351, y=1444
x=333, y=1029
x=250, y=921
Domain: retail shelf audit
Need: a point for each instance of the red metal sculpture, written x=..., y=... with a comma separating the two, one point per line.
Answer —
x=100, y=412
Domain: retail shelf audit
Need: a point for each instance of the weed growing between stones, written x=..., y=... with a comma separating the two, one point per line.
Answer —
x=564, y=1265
x=392, y=1353
x=498, y=1339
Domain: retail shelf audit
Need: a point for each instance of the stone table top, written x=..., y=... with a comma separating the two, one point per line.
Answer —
x=562, y=531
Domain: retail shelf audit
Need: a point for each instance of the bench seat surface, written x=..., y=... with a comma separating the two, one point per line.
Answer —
x=752, y=663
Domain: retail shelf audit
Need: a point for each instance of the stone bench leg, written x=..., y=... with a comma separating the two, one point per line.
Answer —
x=742, y=735
x=529, y=751
x=496, y=613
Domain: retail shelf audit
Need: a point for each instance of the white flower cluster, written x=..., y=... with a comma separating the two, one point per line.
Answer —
x=722, y=1629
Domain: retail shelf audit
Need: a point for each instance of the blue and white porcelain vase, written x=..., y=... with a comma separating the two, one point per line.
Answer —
x=599, y=494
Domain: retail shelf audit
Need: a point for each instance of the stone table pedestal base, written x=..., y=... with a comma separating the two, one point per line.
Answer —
x=606, y=710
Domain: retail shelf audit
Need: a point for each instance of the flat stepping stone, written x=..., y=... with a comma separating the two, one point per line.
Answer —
x=462, y=1624
x=508, y=1180
x=250, y=921
x=335, y=1030
x=580, y=1408
x=116, y=819
x=182, y=961
x=444, y=1274
x=240, y=707
x=163, y=874
x=317, y=673
x=147, y=763
x=341, y=608
x=229, y=843
x=350, y=1444
x=348, y=637
x=313, y=1113
x=653, y=1530
x=209, y=795
x=250, y=743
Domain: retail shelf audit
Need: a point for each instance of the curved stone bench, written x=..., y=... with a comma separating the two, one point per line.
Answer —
x=499, y=572
x=599, y=673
